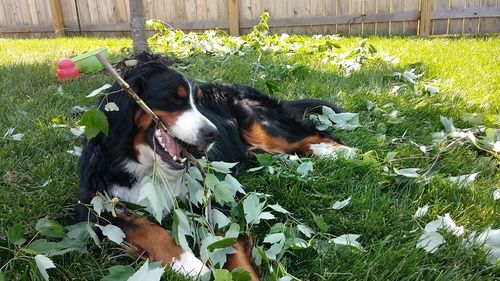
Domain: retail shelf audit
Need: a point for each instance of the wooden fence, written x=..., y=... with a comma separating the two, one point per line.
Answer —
x=111, y=17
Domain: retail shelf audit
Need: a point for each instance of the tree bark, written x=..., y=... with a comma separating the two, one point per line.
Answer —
x=138, y=26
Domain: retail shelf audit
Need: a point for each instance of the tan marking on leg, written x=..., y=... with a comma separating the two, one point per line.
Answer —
x=154, y=240
x=258, y=138
x=242, y=258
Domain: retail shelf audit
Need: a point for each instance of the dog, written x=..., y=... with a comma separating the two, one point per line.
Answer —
x=223, y=122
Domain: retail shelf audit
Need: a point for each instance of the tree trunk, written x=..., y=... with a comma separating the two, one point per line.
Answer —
x=138, y=26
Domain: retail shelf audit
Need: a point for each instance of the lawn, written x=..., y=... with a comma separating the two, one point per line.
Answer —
x=38, y=177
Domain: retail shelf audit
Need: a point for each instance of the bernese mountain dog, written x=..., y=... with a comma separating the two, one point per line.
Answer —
x=223, y=122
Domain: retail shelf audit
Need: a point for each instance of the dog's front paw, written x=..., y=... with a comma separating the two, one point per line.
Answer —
x=191, y=266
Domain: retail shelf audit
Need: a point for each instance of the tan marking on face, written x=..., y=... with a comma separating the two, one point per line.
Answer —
x=142, y=121
x=182, y=92
x=168, y=118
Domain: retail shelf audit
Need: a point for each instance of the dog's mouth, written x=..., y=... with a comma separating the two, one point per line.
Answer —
x=169, y=148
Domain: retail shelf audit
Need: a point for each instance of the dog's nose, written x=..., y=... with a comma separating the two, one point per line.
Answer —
x=210, y=134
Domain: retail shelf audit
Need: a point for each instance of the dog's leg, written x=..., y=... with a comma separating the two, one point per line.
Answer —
x=242, y=258
x=159, y=245
x=275, y=139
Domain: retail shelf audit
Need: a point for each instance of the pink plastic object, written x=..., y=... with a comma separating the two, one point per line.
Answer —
x=66, y=69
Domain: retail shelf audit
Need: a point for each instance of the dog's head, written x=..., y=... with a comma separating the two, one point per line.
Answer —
x=172, y=97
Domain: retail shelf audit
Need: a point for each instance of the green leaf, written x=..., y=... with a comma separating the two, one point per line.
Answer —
x=218, y=256
x=223, y=167
x=345, y=120
x=98, y=91
x=265, y=159
x=224, y=193
x=448, y=124
x=305, y=168
x=233, y=231
x=97, y=204
x=41, y=246
x=408, y=172
x=182, y=227
x=278, y=208
x=92, y=234
x=297, y=244
x=195, y=173
x=347, y=240
x=275, y=250
x=119, y=273
x=78, y=231
x=320, y=222
x=222, y=275
x=149, y=272
x=220, y=220
x=255, y=169
x=252, y=208
x=114, y=233
x=234, y=183
x=43, y=263
x=341, y=204
x=223, y=243
x=305, y=230
x=272, y=86
x=156, y=200
x=195, y=190
x=266, y=216
x=94, y=121
x=391, y=155
x=240, y=274
x=211, y=180
x=274, y=237
x=50, y=228
x=15, y=235
x=111, y=106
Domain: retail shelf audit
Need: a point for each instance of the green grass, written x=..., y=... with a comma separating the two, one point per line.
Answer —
x=38, y=178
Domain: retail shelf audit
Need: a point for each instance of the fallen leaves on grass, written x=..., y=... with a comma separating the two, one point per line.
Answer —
x=9, y=135
x=421, y=211
x=431, y=239
x=464, y=180
x=341, y=204
x=43, y=263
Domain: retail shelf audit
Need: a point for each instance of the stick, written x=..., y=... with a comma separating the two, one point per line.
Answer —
x=126, y=88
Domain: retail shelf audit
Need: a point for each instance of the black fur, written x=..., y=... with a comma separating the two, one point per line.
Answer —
x=232, y=108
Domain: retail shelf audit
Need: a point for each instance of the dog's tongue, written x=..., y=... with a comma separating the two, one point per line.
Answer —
x=171, y=145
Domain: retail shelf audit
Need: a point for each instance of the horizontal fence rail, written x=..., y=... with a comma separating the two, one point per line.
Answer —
x=356, y=17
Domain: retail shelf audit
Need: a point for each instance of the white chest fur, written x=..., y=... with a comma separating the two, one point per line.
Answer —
x=169, y=181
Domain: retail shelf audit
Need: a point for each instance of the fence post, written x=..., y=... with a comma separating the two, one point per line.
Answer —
x=234, y=21
x=425, y=17
x=57, y=17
